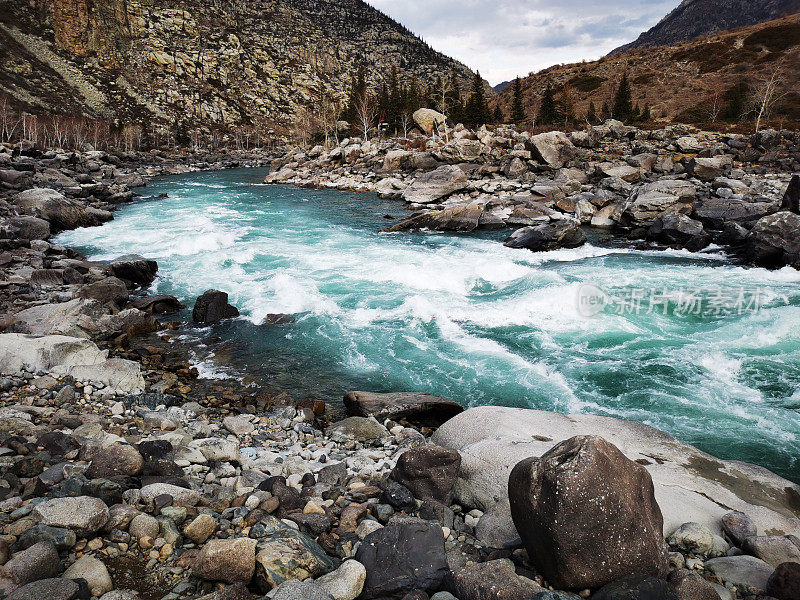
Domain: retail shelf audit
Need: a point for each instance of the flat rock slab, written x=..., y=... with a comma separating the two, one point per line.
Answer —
x=425, y=409
x=690, y=485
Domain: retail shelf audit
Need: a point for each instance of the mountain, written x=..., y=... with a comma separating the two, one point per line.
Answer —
x=690, y=82
x=501, y=86
x=218, y=64
x=694, y=18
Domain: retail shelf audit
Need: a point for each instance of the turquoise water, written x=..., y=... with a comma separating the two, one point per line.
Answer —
x=463, y=317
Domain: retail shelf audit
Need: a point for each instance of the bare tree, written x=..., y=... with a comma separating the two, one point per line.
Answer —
x=366, y=112
x=771, y=88
x=9, y=120
x=714, y=109
x=406, y=119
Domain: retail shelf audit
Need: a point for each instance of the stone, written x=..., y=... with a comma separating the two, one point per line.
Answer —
x=553, y=148
x=738, y=526
x=650, y=200
x=748, y=572
x=636, y=587
x=217, y=449
x=159, y=304
x=29, y=228
x=119, y=459
x=109, y=290
x=774, y=241
x=774, y=549
x=51, y=589
x=300, y=590
x=784, y=583
x=791, y=199
x=285, y=553
x=493, y=580
x=461, y=217
x=405, y=555
x=52, y=206
x=40, y=561
x=689, y=485
x=62, y=539
x=558, y=502
x=117, y=375
x=430, y=121
x=144, y=525
x=82, y=514
x=689, y=585
x=428, y=472
x=346, y=582
x=719, y=212
x=679, y=231
x=417, y=408
x=364, y=429
x=435, y=185
x=93, y=571
x=180, y=496
x=496, y=529
x=688, y=144
x=135, y=269
x=201, y=528
x=213, y=307
x=692, y=538
x=238, y=425
x=228, y=560
x=708, y=169
x=128, y=595
x=19, y=351
x=548, y=236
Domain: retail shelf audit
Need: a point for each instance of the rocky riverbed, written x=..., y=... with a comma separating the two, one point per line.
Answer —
x=123, y=475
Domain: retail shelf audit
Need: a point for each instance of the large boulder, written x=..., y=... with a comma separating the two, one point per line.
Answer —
x=93, y=572
x=40, y=561
x=553, y=148
x=679, y=231
x=430, y=121
x=28, y=228
x=135, y=269
x=18, y=351
x=434, y=185
x=79, y=317
x=118, y=375
x=774, y=241
x=52, y=206
x=652, y=199
x=548, y=236
x=791, y=199
x=587, y=514
x=748, y=573
x=638, y=587
x=716, y=212
x=413, y=406
x=690, y=485
x=784, y=583
x=428, y=472
x=57, y=588
x=213, y=307
x=462, y=217
x=109, y=290
x=406, y=555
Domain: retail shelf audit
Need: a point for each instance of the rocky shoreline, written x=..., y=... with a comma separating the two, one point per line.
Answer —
x=123, y=475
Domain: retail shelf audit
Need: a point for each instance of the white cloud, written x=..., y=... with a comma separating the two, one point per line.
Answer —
x=505, y=38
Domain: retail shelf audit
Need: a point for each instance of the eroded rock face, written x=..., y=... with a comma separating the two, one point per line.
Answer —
x=587, y=514
x=550, y=236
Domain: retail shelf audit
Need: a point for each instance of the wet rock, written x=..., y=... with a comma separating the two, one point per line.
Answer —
x=774, y=241
x=738, y=526
x=135, y=269
x=82, y=514
x=428, y=472
x=213, y=307
x=431, y=186
x=119, y=459
x=717, y=212
x=226, y=560
x=558, y=500
x=417, y=408
x=679, y=231
x=51, y=589
x=93, y=571
x=550, y=236
x=748, y=572
x=40, y=561
x=493, y=580
x=403, y=556
x=346, y=582
x=462, y=217
x=278, y=319
x=784, y=583
x=638, y=587
x=300, y=590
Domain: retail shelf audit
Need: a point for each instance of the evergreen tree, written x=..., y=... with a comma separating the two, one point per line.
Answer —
x=477, y=110
x=591, y=115
x=623, y=101
x=517, y=107
x=548, y=110
x=645, y=116
x=454, y=108
x=605, y=112
x=567, y=106
x=395, y=101
x=384, y=105
x=499, y=117
x=736, y=98
x=413, y=98
x=357, y=91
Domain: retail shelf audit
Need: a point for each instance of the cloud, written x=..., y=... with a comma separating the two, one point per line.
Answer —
x=506, y=38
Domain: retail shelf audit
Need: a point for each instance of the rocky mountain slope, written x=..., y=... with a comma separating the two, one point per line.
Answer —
x=694, y=18
x=689, y=82
x=221, y=63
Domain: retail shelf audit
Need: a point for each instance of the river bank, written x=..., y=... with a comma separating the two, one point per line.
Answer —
x=133, y=473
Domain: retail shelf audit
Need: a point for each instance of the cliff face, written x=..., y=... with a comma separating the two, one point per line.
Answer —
x=693, y=18
x=216, y=62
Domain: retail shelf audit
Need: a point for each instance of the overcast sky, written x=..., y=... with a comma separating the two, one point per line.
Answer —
x=506, y=38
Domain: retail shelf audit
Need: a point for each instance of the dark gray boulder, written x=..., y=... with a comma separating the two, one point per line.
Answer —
x=791, y=199
x=406, y=555
x=636, y=587
x=549, y=236
x=429, y=471
x=587, y=514
x=774, y=241
x=784, y=584
x=135, y=269
x=213, y=307
x=679, y=231
x=424, y=409
x=51, y=589
x=716, y=212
